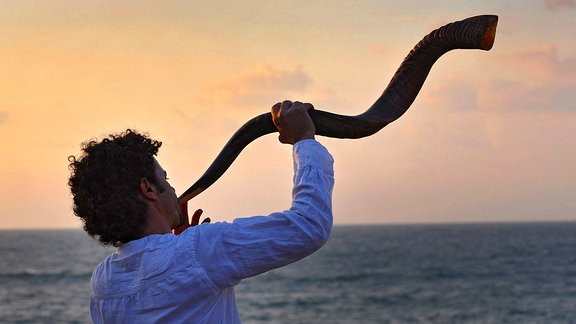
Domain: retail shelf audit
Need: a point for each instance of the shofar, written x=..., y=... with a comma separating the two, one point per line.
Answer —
x=472, y=33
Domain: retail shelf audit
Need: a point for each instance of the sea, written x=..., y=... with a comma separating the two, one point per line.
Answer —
x=441, y=273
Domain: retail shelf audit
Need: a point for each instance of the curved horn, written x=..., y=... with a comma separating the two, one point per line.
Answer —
x=472, y=33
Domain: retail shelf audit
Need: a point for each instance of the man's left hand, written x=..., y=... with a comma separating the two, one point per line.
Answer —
x=193, y=222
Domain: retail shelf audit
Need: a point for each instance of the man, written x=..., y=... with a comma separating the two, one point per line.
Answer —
x=123, y=197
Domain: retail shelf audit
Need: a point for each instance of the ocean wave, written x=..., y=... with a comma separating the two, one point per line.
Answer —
x=43, y=275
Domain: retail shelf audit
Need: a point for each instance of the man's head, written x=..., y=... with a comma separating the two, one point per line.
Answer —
x=106, y=182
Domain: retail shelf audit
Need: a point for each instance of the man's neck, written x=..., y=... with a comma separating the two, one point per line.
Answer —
x=156, y=224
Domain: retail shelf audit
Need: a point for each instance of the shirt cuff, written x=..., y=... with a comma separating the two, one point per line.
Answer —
x=310, y=152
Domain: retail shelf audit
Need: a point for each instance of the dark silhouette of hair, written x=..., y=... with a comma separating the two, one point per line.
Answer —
x=105, y=185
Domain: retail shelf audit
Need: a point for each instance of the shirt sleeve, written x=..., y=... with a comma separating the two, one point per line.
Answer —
x=250, y=246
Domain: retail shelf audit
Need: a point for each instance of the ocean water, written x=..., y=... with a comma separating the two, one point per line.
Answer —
x=465, y=273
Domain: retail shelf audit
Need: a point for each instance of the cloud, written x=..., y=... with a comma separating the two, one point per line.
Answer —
x=545, y=63
x=3, y=117
x=537, y=78
x=560, y=4
x=451, y=95
x=266, y=85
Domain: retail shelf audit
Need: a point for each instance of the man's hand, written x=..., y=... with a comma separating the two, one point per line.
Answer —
x=293, y=121
x=195, y=219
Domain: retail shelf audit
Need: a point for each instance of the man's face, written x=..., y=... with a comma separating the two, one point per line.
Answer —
x=168, y=200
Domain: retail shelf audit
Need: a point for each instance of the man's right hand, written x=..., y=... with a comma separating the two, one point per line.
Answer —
x=293, y=121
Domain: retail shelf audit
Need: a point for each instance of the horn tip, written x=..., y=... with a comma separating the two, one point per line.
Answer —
x=489, y=34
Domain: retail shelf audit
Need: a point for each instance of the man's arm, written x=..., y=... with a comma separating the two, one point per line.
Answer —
x=249, y=246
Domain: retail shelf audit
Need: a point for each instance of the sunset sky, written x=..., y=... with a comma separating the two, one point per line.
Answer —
x=491, y=137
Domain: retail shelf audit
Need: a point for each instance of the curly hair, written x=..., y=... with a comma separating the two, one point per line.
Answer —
x=105, y=185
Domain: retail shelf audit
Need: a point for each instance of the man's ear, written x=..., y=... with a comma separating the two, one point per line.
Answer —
x=148, y=190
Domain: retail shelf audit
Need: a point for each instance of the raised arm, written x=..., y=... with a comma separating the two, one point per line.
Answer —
x=253, y=245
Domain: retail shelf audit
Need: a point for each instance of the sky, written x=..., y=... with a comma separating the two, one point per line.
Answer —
x=490, y=138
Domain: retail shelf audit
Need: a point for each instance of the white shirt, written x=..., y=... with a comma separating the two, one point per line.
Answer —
x=189, y=278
